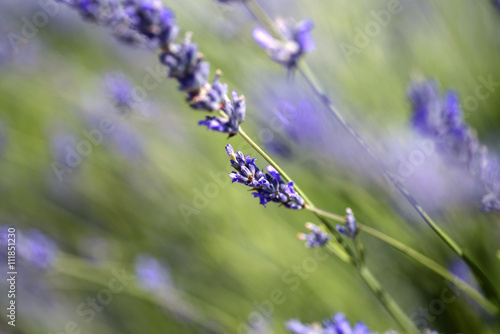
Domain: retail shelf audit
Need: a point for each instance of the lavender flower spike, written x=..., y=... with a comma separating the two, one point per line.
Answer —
x=316, y=238
x=234, y=114
x=439, y=117
x=151, y=274
x=149, y=22
x=298, y=41
x=337, y=324
x=37, y=249
x=268, y=187
x=351, y=227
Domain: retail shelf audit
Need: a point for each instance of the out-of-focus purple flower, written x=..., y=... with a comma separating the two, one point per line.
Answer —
x=187, y=66
x=66, y=158
x=496, y=3
x=132, y=21
x=297, y=41
x=301, y=123
x=351, y=227
x=268, y=187
x=440, y=118
x=127, y=142
x=37, y=249
x=119, y=88
x=152, y=21
x=211, y=97
x=337, y=324
x=316, y=238
x=151, y=274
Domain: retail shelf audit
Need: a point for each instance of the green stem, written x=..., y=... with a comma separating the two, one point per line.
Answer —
x=390, y=304
x=422, y=259
x=311, y=79
x=342, y=250
x=434, y=266
x=275, y=165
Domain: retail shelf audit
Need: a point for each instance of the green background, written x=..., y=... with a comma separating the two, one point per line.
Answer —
x=229, y=256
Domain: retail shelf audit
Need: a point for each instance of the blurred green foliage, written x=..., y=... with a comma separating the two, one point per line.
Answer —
x=228, y=258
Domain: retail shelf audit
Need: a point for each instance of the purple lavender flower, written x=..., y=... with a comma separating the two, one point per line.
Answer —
x=351, y=227
x=440, y=118
x=127, y=142
x=37, y=249
x=298, y=41
x=496, y=3
x=151, y=274
x=149, y=20
x=337, y=324
x=235, y=113
x=268, y=187
x=119, y=88
x=316, y=238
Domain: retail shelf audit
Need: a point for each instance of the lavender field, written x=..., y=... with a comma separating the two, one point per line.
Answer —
x=250, y=166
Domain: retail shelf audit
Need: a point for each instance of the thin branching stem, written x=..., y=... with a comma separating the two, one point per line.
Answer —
x=420, y=258
x=344, y=252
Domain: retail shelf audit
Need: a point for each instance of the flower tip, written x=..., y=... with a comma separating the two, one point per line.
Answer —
x=341, y=229
x=301, y=236
x=310, y=226
x=230, y=152
x=263, y=38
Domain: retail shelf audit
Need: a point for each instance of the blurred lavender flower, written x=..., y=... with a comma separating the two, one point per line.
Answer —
x=151, y=274
x=440, y=118
x=127, y=142
x=119, y=88
x=152, y=21
x=64, y=153
x=268, y=187
x=36, y=248
x=337, y=324
x=316, y=238
x=298, y=41
x=496, y=3
x=351, y=227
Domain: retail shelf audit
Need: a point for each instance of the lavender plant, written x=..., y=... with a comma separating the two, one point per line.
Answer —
x=440, y=119
x=337, y=324
x=309, y=76
x=148, y=22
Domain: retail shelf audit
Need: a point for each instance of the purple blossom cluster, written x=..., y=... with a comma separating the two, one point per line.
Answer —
x=268, y=187
x=316, y=238
x=37, y=249
x=151, y=274
x=134, y=21
x=297, y=40
x=350, y=229
x=337, y=324
x=440, y=118
x=119, y=89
